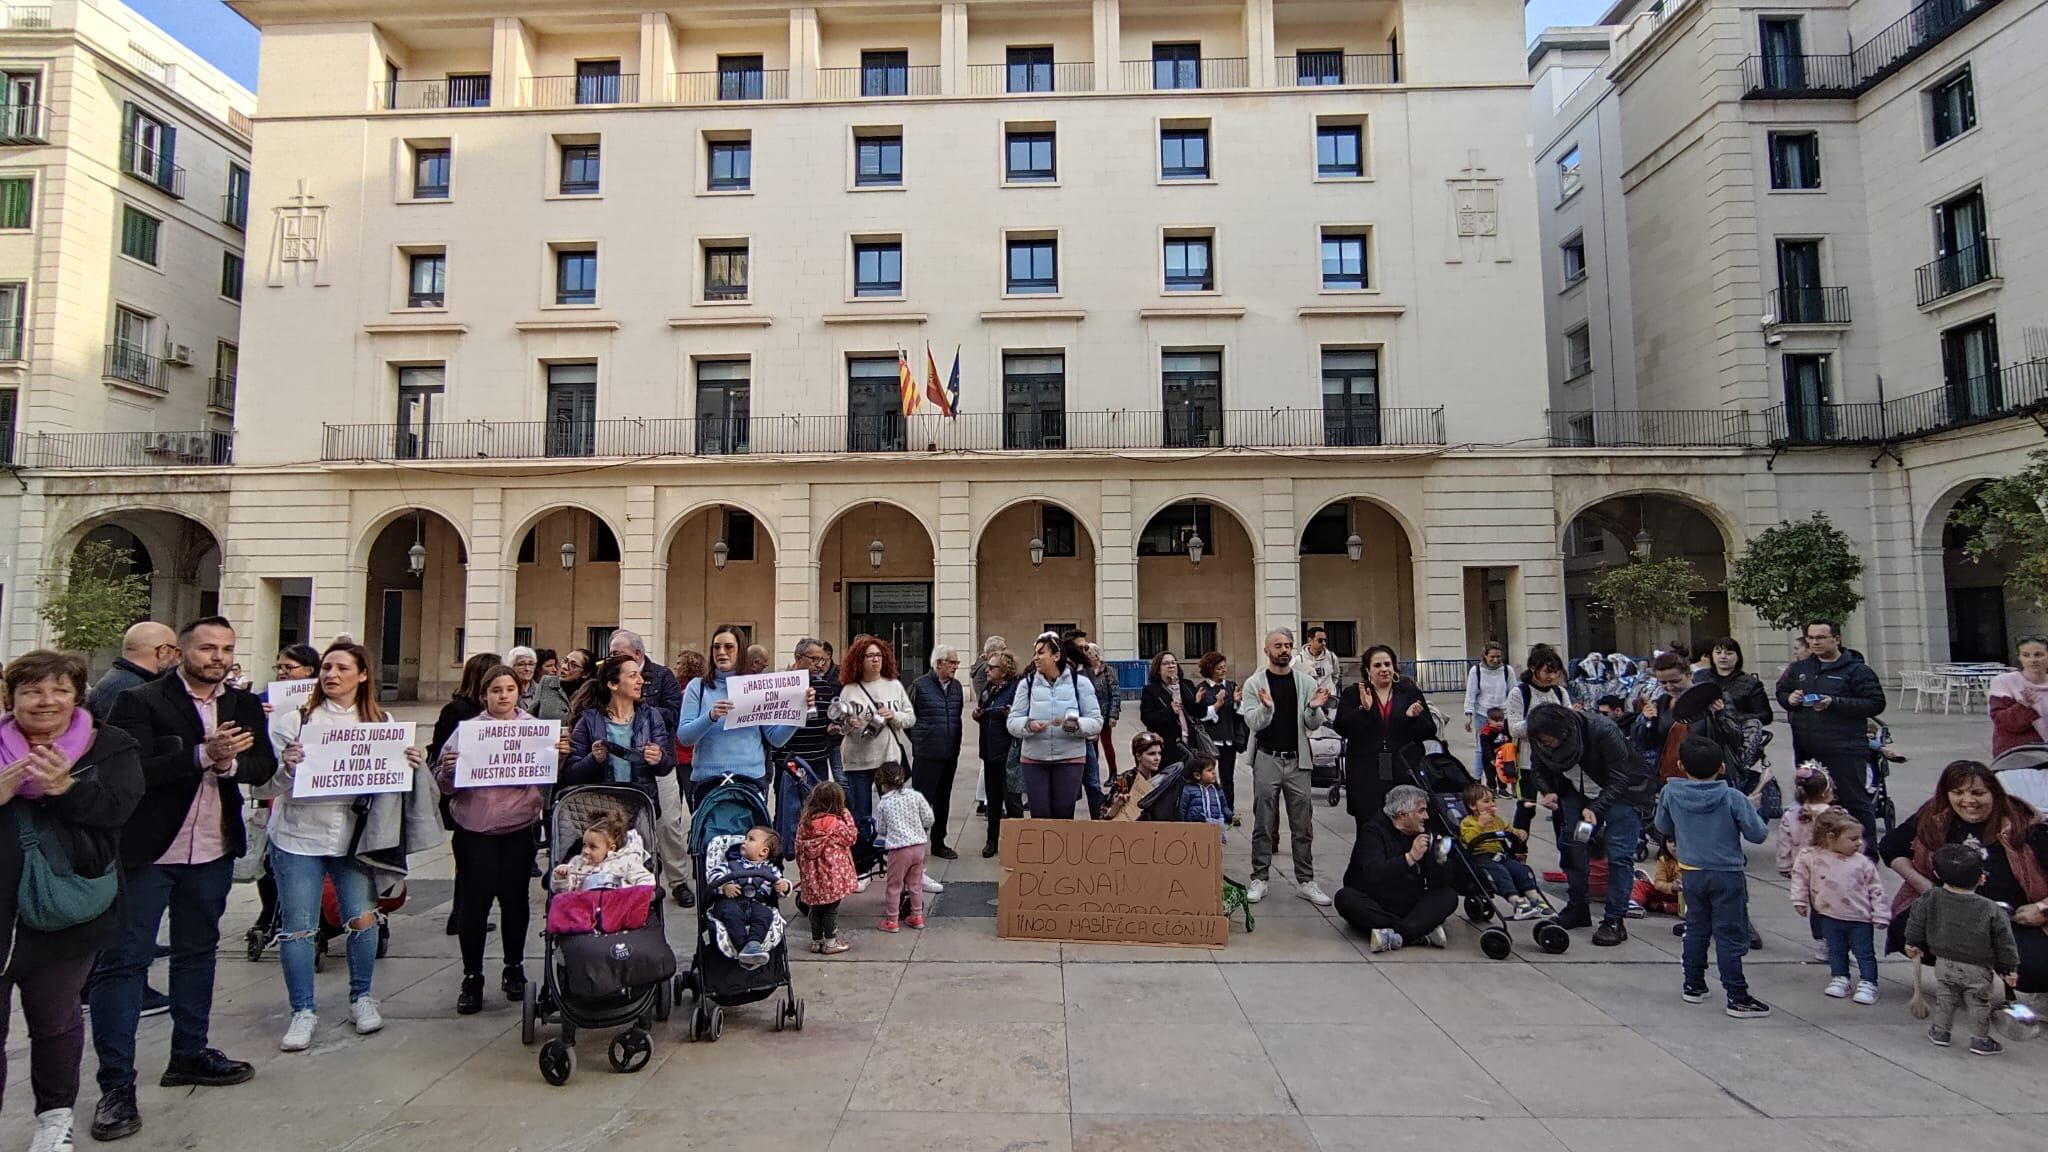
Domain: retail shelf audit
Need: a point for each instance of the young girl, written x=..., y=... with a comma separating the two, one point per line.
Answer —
x=903, y=824
x=612, y=857
x=1130, y=786
x=1659, y=892
x=1813, y=792
x=1835, y=883
x=825, y=833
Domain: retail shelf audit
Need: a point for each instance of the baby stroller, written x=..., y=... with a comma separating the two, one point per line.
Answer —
x=1326, y=763
x=2023, y=771
x=716, y=978
x=331, y=926
x=1445, y=778
x=600, y=979
x=1882, y=758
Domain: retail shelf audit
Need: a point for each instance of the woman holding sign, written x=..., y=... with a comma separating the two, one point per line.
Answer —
x=618, y=738
x=493, y=842
x=313, y=838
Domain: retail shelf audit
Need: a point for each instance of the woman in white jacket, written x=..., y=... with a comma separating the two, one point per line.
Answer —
x=1542, y=682
x=1055, y=718
x=872, y=713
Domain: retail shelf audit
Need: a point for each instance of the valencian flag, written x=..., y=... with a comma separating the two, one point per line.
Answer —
x=932, y=390
x=906, y=383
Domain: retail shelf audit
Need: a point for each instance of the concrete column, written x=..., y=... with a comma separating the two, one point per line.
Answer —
x=1258, y=43
x=1107, y=19
x=1116, y=569
x=796, y=567
x=657, y=57
x=487, y=596
x=953, y=569
x=803, y=55
x=511, y=61
x=343, y=607
x=952, y=49
x=639, y=592
x=1276, y=570
x=1543, y=602
x=29, y=563
x=1439, y=608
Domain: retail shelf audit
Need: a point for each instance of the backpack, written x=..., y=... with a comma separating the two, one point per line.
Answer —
x=1163, y=801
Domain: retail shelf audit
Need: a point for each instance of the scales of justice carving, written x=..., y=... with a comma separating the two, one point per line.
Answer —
x=1474, y=205
x=298, y=246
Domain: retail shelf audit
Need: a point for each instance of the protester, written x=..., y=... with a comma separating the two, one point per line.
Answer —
x=1970, y=806
x=1216, y=699
x=1129, y=788
x=1836, y=884
x=298, y=662
x=2019, y=700
x=1281, y=706
x=977, y=673
x=1168, y=707
x=874, y=713
x=147, y=649
x=465, y=703
x=75, y=782
x=994, y=743
x=525, y=663
x=1657, y=729
x=619, y=738
x=1384, y=721
x=939, y=703
x=1056, y=715
x=1487, y=685
x=1708, y=820
x=1830, y=695
x=1319, y=661
x=1542, y=682
x=660, y=688
x=1972, y=943
x=717, y=751
x=1398, y=889
x=1744, y=691
x=200, y=742
x=575, y=664
x=1596, y=789
x=1201, y=800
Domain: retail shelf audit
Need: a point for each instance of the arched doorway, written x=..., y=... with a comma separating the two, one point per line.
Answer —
x=1362, y=599
x=1981, y=617
x=709, y=585
x=417, y=593
x=1605, y=535
x=1189, y=608
x=566, y=586
x=875, y=576
x=1034, y=569
x=179, y=556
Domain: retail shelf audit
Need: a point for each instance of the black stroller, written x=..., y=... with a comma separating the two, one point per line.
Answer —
x=1444, y=777
x=716, y=978
x=600, y=979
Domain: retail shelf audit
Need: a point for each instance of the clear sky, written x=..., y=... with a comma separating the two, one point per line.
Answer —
x=210, y=29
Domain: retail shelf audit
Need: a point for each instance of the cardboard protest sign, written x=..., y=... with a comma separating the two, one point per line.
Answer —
x=1116, y=882
x=352, y=760
x=767, y=698
x=501, y=753
x=289, y=695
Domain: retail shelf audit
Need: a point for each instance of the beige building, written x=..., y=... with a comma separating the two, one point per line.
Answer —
x=124, y=194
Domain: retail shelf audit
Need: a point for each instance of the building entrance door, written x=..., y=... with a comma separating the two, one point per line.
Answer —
x=899, y=611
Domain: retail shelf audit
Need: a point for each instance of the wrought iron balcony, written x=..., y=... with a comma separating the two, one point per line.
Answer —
x=729, y=84
x=881, y=80
x=1793, y=305
x=1655, y=428
x=138, y=159
x=1169, y=75
x=1958, y=271
x=220, y=393
x=95, y=451
x=1020, y=79
x=429, y=95
x=1787, y=77
x=1317, y=69
x=572, y=91
x=132, y=365
x=2015, y=390
x=1790, y=77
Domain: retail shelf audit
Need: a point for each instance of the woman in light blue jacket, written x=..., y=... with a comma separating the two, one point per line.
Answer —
x=718, y=751
x=1055, y=715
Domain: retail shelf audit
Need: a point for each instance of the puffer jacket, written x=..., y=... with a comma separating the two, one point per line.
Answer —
x=938, y=704
x=1050, y=703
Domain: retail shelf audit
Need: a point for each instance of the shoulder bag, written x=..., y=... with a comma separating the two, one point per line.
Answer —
x=52, y=897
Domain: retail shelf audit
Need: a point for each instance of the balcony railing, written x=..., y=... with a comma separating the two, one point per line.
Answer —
x=1786, y=77
x=887, y=433
x=24, y=124
x=2014, y=390
x=419, y=95
x=24, y=16
x=220, y=394
x=729, y=85
x=1655, y=428
x=132, y=365
x=572, y=91
x=101, y=450
x=140, y=160
x=1808, y=305
x=1020, y=79
x=1316, y=69
x=1170, y=75
x=866, y=82
x=1961, y=269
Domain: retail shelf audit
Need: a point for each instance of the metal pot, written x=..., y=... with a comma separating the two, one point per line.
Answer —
x=2014, y=1020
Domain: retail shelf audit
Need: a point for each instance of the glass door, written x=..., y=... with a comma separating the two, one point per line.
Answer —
x=1808, y=418
x=1784, y=61
x=723, y=402
x=1969, y=360
x=572, y=409
x=899, y=611
x=1351, y=398
x=1192, y=399
x=874, y=406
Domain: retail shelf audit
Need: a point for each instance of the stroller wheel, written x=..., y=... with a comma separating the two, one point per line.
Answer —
x=1478, y=909
x=1551, y=937
x=557, y=1062
x=258, y=941
x=630, y=1051
x=662, y=1001
x=1495, y=943
x=1336, y=794
x=529, y=1012
x=383, y=938
x=320, y=956
x=798, y=1022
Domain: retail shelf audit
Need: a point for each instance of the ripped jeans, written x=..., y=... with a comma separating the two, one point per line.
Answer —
x=299, y=882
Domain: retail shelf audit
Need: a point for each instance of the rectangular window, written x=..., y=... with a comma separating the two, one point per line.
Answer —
x=1340, y=150
x=874, y=406
x=1035, y=402
x=1800, y=296
x=134, y=331
x=1033, y=266
x=580, y=168
x=1167, y=533
x=1326, y=534
x=576, y=276
x=427, y=280
x=1351, y=397
x=227, y=361
x=469, y=89
x=1184, y=153
x=13, y=310
x=150, y=149
x=1952, y=104
x=878, y=161
x=597, y=81
x=724, y=391
x=1578, y=352
x=1176, y=66
x=740, y=78
x=732, y=165
x=1344, y=261
x=1057, y=531
x=1151, y=640
x=1197, y=638
x=1784, y=56
x=17, y=202
x=1030, y=70
x=1319, y=66
x=1962, y=246
x=231, y=276
x=419, y=396
x=1188, y=268
x=1969, y=367
x=884, y=73
x=430, y=173
x=572, y=410
x=1568, y=174
x=1028, y=158
x=739, y=535
x=139, y=234
x=235, y=203
x=1795, y=160
x=1191, y=399
x=1808, y=418
x=878, y=269
x=1573, y=252
x=725, y=272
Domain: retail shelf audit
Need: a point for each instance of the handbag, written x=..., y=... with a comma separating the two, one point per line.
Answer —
x=53, y=897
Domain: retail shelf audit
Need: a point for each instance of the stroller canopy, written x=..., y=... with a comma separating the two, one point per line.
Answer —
x=727, y=810
x=2024, y=773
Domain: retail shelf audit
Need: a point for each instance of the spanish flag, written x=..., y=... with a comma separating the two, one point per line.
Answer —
x=906, y=383
x=933, y=390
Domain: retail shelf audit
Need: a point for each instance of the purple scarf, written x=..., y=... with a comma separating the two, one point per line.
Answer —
x=14, y=746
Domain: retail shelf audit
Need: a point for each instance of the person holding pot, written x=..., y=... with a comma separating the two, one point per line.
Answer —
x=1384, y=721
x=873, y=714
x=1056, y=714
x=68, y=784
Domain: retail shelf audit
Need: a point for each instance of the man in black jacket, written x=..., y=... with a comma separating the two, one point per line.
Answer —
x=200, y=740
x=1587, y=775
x=1396, y=890
x=147, y=649
x=935, y=742
x=1829, y=696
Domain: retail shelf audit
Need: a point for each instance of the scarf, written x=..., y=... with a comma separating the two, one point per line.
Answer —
x=1571, y=744
x=73, y=742
x=1173, y=697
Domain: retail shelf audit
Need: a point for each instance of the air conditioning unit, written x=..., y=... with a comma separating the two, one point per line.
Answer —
x=194, y=446
x=163, y=443
x=180, y=354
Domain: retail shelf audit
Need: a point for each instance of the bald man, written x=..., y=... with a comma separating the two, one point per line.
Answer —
x=146, y=650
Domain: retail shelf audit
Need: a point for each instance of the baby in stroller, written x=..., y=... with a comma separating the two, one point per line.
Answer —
x=746, y=880
x=1495, y=848
x=612, y=857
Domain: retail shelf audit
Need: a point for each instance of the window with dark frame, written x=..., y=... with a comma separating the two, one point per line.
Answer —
x=731, y=165
x=878, y=268
x=1795, y=160
x=420, y=389
x=1568, y=174
x=1034, y=401
x=231, y=276
x=1029, y=69
x=576, y=276
x=724, y=407
x=1176, y=66
x=725, y=272
x=874, y=405
x=1033, y=266
x=741, y=78
x=430, y=173
x=1808, y=418
x=1167, y=533
x=1573, y=254
x=1056, y=530
x=597, y=81
x=1340, y=150
x=1314, y=67
x=1351, y=397
x=1578, y=352
x=572, y=409
x=1344, y=261
x=1969, y=369
x=884, y=73
x=1191, y=399
x=140, y=233
x=17, y=201
x=1188, y=265
x=580, y=169
x=469, y=89
x=1151, y=640
x=1952, y=105
x=1184, y=153
x=1028, y=157
x=235, y=208
x=878, y=161
x=1197, y=638
x=427, y=280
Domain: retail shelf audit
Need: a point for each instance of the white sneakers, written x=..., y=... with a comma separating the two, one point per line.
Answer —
x=1386, y=940
x=1866, y=992
x=1838, y=987
x=364, y=1011
x=1313, y=893
x=298, y=1036
x=932, y=886
x=53, y=1131
x=1255, y=892
x=1437, y=938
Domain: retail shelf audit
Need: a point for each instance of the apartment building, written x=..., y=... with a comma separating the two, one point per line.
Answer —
x=124, y=196
x=1817, y=220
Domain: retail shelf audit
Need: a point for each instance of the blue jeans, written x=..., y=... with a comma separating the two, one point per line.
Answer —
x=1620, y=833
x=1845, y=938
x=1506, y=875
x=298, y=920
x=860, y=802
x=195, y=895
x=1717, y=906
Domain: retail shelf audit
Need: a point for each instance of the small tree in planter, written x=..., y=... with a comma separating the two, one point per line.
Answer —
x=1648, y=591
x=1798, y=571
x=95, y=599
x=2009, y=516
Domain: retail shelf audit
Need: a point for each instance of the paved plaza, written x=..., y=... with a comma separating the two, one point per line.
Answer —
x=1292, y=1038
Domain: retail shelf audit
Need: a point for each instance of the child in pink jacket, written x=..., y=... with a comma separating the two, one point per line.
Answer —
x=1838, y=885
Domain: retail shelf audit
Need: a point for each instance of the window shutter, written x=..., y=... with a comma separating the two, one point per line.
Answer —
x=166, y=161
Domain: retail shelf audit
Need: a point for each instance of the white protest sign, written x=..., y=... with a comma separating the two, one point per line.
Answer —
x=352, y=760
x=289, y=695
x=767, y=698
x=496, y=753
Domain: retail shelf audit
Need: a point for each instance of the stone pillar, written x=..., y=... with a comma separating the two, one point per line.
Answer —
x=1258, y=43
x=30, y=562
x=953, y=569
x=1107, y=20
x=952, y=49
x=511, y=61
x=657, y=57
x=1276, y=569
x=1439, y=607
x=639, y=592
x=796, y=567
x=803, y=55
x=487, y=598
x=1116, y=567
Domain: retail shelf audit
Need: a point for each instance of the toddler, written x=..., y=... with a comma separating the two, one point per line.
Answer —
x=1201, y=800
x=612, y=857
x=1813, y=792
x=746, y=881
x=903, y=823
x=825, y=834
x=1970, y=939
x=1710, y=820
x=1492, y=735
x=1659, y=891
x=1494, y=845
x=1837, y=886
